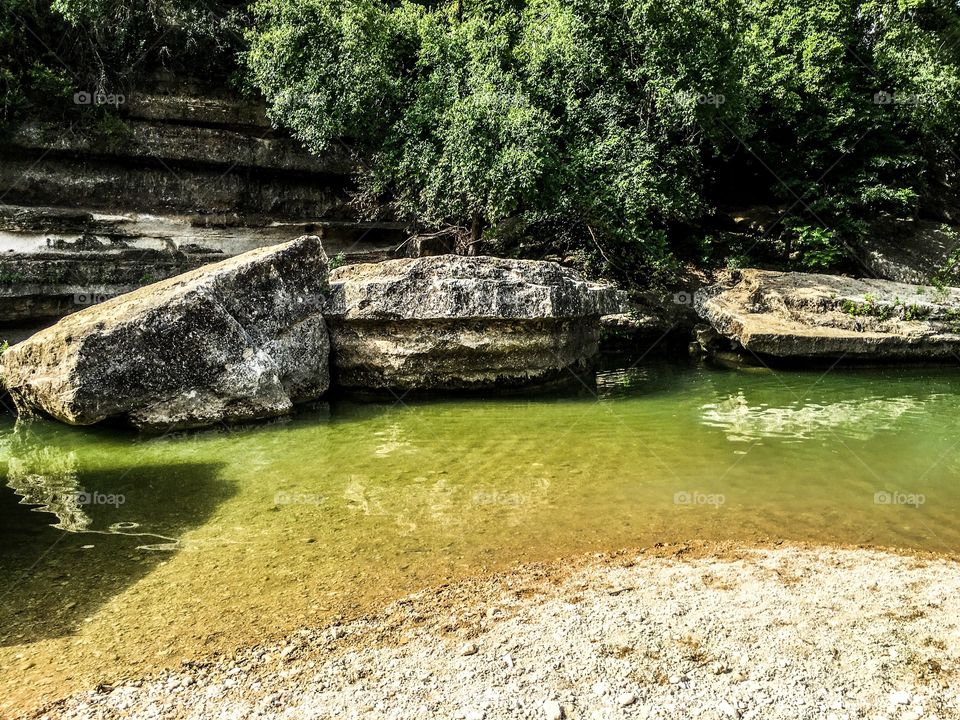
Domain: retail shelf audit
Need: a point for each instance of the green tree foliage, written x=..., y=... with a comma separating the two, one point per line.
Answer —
x=54, y=48
x=851, y=111
x=619, y=131
x=111, y=40
x=616, y=125
x=29, y=73
x=512, y=117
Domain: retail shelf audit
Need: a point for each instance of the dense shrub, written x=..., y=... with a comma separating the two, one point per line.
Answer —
x=29, y=72
x=618, y=131
x=617, y=127
x=119, y=39
x=513, y=117
x=52, y=49
x=851, y=112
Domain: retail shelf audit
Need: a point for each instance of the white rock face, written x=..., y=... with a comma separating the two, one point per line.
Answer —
x=803, y=315
x=452, y=323
x=238, y=340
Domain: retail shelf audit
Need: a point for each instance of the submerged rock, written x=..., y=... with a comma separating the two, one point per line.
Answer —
x=237, y=340
x=803, y=315
x=457, y=323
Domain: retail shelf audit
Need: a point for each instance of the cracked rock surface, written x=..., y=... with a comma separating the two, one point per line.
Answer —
x=806, y=315
x=238, y=340
x=450, y=322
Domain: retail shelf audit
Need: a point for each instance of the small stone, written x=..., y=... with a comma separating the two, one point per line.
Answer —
x=469, y=649
x=675, y=679
x=552, y=710
x=625, y=699
x=474, y=715
x=507, y=660
x=900, y=698
x=601, y=688
x=728, y=709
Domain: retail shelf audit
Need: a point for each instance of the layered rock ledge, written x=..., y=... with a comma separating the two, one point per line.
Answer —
x=803, y=315
x=460, y=323
x=238, y=340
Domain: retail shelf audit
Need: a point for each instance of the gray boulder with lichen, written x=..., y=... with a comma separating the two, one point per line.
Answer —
x=450, y=322
x=805, y=315
x=238, y=340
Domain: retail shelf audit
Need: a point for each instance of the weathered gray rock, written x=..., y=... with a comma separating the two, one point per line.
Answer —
x=455, y=323
x=55, y=261
x=184, y=143
x=910, y=251
x=802, y=315
x=237, y=340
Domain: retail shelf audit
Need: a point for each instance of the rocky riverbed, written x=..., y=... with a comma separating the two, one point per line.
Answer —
x=666, y=632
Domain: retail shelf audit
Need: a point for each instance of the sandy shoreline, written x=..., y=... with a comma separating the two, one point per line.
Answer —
x=779, y=632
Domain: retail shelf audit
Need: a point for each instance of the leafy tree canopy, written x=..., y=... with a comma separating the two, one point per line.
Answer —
x=613, y=130
x=614, y=124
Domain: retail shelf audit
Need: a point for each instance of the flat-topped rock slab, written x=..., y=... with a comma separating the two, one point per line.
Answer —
x=805, y=315
x=458, y=323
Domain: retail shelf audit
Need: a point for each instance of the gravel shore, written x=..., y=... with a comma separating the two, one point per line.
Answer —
x=784, y=632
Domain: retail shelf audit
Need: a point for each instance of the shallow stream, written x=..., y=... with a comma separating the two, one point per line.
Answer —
x=123, y=554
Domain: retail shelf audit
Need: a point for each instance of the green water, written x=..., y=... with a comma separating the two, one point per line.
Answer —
x=168, y=548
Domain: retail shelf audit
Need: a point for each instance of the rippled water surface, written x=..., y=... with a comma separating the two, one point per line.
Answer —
x=123, y=554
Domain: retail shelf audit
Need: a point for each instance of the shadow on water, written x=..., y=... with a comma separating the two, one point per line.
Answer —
x=340, y=509
x=74, y=533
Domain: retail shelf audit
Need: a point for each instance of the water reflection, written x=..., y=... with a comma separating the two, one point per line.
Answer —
x=856, y=419
x=279, y=526
x=46, y=478
x=77, y=531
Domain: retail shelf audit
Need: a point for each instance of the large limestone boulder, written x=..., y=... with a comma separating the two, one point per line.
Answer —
x=237, y=340
x=458, y=323
x=803, y=315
